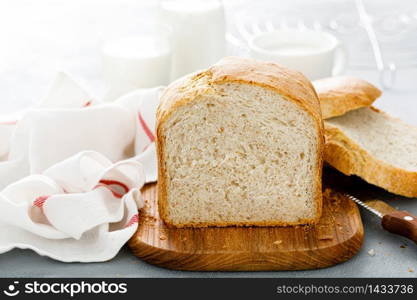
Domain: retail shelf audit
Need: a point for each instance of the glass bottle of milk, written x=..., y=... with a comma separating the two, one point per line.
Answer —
x=198, y=33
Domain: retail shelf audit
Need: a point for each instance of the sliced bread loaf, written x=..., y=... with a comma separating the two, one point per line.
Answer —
x=339, y=95
x=240, y=144
x=375, y=146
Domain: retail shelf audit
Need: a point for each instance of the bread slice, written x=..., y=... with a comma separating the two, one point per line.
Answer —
x=240, y=144
x=375, y=146
x=339, y=95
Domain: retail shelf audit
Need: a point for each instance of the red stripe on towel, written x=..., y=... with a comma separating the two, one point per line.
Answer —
x=88, y=103
x=146, y=128
x=116, y=194
x=134, y=219
x=40, y=201
x=108, y=185
x=115, y=182
x=146, y=147
x=14, y=122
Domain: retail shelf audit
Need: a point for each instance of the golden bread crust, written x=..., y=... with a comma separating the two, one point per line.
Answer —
x=339, y=95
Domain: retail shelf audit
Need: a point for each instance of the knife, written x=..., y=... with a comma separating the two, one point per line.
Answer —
x=399, y=222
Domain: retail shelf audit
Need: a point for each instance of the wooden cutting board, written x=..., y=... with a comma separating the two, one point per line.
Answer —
x=336, y=238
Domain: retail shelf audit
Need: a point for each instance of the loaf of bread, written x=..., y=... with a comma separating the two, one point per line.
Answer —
x=339, y=95
x=376, y=147
x=240, y=144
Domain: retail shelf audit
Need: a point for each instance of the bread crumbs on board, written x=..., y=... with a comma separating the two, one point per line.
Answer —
x=162, y=237
x=278, y=242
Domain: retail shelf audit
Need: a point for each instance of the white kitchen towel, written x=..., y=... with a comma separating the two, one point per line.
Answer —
x=71, y=169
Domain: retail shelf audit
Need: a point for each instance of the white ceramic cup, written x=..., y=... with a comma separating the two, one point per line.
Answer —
x=316, y=54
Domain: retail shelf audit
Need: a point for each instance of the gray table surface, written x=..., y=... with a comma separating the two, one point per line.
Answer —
x=29, y=68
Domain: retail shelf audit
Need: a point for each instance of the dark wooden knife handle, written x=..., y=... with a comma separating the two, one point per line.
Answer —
x=402, y=223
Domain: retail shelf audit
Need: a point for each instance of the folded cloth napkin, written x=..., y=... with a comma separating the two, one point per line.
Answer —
x=71, y=169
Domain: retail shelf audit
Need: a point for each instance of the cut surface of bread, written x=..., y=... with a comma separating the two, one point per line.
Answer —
x=233, y=151
x=375, y=146
x=339, y=95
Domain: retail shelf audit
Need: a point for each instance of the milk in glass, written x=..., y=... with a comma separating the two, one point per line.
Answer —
x=133, y=62
x=198, y=33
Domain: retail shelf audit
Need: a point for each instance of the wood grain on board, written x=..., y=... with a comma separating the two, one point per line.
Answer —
x=336, y=238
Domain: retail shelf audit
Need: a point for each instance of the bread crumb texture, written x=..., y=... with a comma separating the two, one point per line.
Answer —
x=376, y=147
x=239, y=154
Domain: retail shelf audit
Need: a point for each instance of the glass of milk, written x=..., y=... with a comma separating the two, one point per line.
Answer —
x=198, y=28
x=316, y=54
x=140, y=60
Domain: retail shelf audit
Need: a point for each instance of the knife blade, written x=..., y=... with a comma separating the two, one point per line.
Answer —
x=380, y=206
x=399, y=222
